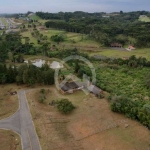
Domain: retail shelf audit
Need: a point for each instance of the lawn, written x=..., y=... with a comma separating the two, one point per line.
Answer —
x=92, y=125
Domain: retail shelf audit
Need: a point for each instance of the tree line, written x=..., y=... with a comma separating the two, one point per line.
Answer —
x=26, y=74
x=138, y=110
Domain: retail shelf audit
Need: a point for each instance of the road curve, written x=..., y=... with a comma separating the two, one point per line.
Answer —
x=21, y=123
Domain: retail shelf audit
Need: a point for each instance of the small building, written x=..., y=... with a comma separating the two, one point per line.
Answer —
x=116, y=45
x=69, y=87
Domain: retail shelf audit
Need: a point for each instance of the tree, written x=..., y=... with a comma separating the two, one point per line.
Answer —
x=57, y=38
x=65, y=106
x=121, y=12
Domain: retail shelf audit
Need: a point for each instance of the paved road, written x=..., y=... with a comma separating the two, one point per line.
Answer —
x=21, y=122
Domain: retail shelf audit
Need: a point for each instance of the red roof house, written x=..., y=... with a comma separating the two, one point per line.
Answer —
x=131, y=47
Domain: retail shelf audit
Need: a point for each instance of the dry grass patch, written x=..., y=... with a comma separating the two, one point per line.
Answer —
x=8, y=103
x=9, y=140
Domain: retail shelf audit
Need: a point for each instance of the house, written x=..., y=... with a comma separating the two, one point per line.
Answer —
x=131, y=47
x=56, y=65
x=116, y=45
x=69, y=87
x=94, y=90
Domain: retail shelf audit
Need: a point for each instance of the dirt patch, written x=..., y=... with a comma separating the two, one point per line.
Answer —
x=91, y=126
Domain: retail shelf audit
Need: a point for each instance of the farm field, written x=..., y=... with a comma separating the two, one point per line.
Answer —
x=92, y=125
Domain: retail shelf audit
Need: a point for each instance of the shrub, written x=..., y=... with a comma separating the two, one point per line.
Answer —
x=65, y=106
x=42, y=98
x=42, y=91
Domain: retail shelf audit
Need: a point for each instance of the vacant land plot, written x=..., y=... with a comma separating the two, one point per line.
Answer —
x=91, y=126
x=8, y=103
x=9, y=140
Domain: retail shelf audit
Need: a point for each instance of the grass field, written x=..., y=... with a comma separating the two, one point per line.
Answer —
x=35, y=17
x=80, y=41
x=144, y=19
x=145, y=52
x=91, y=126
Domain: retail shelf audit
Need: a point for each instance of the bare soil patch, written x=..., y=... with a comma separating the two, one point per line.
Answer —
x=91, y=126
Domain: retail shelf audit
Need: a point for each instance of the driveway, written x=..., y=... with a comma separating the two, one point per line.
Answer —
x=21, y=123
